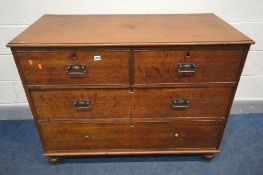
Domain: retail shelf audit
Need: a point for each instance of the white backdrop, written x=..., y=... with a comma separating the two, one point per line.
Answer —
x=245, y=15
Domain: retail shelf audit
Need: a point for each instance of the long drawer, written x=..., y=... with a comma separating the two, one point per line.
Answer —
x=142, y=103
x=81, y=67
x=142, y=135
x=186, y=66
x=81, y=104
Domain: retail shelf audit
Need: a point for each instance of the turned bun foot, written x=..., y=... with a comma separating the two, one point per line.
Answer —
x=208, y=157
x=54, y=160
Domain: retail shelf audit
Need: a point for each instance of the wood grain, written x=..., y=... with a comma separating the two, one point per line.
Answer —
x=162, y=66
x=204, y=102
x=245, y=53
x=58, y=104
x=149, y=135
x=129, y=30
x=53, y=67
x=129, y=152
x=131, y=90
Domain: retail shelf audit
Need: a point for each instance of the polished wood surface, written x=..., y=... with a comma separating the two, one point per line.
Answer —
x=129, y=152
x=162, y=66
x=149, y=103
x=126, y=102
x=203, y=102
x=139, y=135
x=50, y=67
x=59, y=104
x=129, y=30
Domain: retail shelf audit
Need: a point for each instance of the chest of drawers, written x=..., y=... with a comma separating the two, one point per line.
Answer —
x=130, y=84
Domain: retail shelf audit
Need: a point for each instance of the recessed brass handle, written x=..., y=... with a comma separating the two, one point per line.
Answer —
x=180, y=103
x=186, y=67
x=85, y=104
x=87, y=136
x=76, y=69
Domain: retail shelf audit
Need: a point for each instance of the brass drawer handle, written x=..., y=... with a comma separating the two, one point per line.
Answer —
x=181, y=103
x=76, y=69
x=186, y=67
x=82, y=104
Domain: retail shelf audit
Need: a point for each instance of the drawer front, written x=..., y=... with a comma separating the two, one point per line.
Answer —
x=181, y=102
x=81, y=136
x=143, y=135
x=81, y=104
x=158, y=135
x=186, y=66
x=83, y=67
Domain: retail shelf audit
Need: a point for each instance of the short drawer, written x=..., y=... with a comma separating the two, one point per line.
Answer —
x=192, y=66
x=181, y=102
x=143, y=135
x=81, y=104
x=82, y=67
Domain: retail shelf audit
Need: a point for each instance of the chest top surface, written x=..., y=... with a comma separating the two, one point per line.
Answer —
x=128, y=30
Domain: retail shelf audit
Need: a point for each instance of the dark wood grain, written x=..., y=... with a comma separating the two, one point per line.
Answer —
x=132, y=88
x=112, y=69
x=162, y=66
x=58, y=104
x=204, y=102
x=29, y=99
x=128, y=30
x=245, y=53
x=143, y=135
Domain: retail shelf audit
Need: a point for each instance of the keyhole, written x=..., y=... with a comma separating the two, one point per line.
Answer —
x=188, y=55
x=74, y=56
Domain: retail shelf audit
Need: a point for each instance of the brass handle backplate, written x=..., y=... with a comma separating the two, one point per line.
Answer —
x=186, y=67
x=85, y=104
x=76, y=69
x=180, y=103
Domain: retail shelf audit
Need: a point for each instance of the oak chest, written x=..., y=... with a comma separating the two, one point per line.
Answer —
x=130, y=84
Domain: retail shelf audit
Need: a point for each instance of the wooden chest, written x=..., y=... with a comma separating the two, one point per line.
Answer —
x=130, y=84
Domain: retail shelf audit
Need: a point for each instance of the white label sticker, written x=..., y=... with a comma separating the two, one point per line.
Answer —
x=97, y=58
